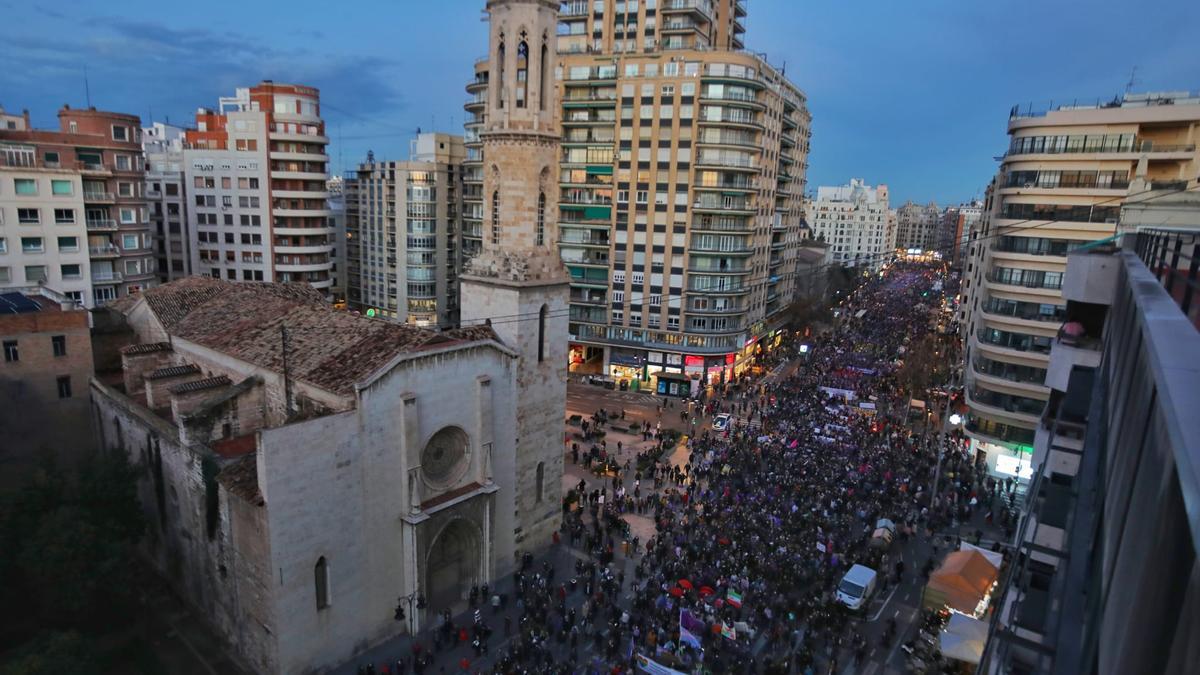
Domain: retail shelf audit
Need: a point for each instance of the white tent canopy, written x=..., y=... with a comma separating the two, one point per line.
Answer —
x=963, y=637
x=993, y=557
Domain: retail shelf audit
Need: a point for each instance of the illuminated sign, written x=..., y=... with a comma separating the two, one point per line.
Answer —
x=693, y=361
x=371, y=312
x=729, y=358
x=803, y=349
x=1013, y=466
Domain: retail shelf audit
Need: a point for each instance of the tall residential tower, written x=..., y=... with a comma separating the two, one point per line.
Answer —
x=679, y=184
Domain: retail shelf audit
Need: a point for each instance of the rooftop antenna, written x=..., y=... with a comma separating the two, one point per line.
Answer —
x=1132, y=80
x=87, y=90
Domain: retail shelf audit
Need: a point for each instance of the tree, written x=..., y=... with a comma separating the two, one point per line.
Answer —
x=54, y=653
x=67, y=547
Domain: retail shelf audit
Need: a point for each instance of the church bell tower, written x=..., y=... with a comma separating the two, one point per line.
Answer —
x=518, y=281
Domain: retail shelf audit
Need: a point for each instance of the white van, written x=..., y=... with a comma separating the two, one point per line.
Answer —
x=856, y=587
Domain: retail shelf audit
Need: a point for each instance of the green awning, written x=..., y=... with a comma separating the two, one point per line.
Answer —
x=595, y=170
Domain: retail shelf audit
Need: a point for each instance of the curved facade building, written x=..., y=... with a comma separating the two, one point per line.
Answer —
x=256, y=169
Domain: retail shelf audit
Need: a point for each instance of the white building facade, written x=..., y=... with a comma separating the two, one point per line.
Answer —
x=853, y=219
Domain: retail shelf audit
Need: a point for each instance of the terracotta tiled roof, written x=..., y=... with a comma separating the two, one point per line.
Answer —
x=201, y=385
x=473, y=333
x=328, y=348
x=241, y=479
x=147, y=348
x=235, y=447
x=173, y=371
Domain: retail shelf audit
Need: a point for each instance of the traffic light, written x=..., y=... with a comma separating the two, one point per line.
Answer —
x=399, y=612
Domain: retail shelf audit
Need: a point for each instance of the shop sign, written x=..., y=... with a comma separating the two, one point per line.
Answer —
x=730, y=358
x=694, y=361
x=654, y=357
x=674, y=359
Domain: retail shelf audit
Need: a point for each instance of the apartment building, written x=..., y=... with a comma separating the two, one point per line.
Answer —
x=954, y=225
x=44, y=372
x=166, y=200
x=1060, y=186
x=917, y=226
x=852, y=220
x=682, y=170
x=256, y=169
x=402, y=220
x=336, y=187
x=73, y=214
x=1104, y=576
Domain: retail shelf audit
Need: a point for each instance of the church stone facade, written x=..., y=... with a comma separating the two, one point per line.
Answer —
x=517, y=283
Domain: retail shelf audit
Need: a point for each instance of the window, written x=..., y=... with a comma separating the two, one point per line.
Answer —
x=125, y=189
x=64, y=216
x=3, y=245
x=29, y=216
x=540, y=490
x=496, y=217
x=52, y=158
x=11, y=354
x=321, y=581
x=60, y=187
x=71, y=271
x=123, y=163
x=130, y=242
x=25, y=186
x=120, y=133
x=128, y=216
x=59, y=343
x=541, y=219
x=64, y=386
x=542, y=334
x=68, y=244
x=35, y=273
x=618, y=277
x=32, y=245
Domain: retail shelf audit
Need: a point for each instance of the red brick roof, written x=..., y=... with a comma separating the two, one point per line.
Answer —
x=328, y=348
x=241, y=479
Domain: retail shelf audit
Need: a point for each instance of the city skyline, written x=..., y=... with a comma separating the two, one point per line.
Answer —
x=877, y=125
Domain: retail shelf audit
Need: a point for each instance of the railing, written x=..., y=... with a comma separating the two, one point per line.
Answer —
x=1173, y=257
x=733, y=204
x=722, y=225
x=1024, y=283
x=1009, y=371
x=104, y=250
x=729, y=96
x=1017, y=311
x=1015, y=341
x=106, y=277
x=101, y=224
x=98, y=196
x=702, y=6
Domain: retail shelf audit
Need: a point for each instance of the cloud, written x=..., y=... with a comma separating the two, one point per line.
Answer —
x=134, y=65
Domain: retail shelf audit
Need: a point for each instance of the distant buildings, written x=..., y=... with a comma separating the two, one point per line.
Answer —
x=44, y=371
x=402, y=220
x=256, y=169
x=853, y=220
x=917, y=226
x=167, y=200
x=1060, y=186
x=73, y=212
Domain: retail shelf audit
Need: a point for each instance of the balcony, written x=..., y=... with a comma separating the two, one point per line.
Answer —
x=733, y=98
x=701, y=9
x=98, y=196
x=1020, y=281
x=730, y=117
x=101, y=224
x=589, y=314
x=575, y=238
x=719, y=224
x=583, y=297
x=107, y=277
x=699, y=246
x=106, y=251
x=708, y=203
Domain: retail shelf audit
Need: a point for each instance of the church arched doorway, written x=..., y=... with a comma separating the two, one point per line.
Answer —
x=453, y=565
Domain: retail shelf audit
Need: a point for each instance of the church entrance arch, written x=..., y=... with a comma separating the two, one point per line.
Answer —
x=453, y=564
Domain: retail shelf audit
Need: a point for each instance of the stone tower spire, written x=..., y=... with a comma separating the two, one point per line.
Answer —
x=518, y=282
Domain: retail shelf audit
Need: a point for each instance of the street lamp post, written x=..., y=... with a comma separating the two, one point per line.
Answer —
x=409, y=600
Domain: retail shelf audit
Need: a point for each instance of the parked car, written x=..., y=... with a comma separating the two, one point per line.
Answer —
x=857, y=587
x=722, y=421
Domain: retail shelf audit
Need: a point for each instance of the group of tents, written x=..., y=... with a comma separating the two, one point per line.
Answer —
x=963, y=583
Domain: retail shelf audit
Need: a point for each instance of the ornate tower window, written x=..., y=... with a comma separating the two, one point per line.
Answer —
x=541, y=219
x=496, y=217
x=522, y=70
x=501, y=85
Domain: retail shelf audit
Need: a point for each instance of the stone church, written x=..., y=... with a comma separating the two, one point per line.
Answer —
x=303, y=467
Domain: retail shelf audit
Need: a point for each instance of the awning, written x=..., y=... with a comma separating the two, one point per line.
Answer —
x=597, y=170
x=963, y=638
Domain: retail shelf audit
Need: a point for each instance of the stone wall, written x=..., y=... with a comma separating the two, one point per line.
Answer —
x=337, y=487
x=211, y=551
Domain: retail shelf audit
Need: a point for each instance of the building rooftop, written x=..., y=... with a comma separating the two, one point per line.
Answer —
x=327, y=348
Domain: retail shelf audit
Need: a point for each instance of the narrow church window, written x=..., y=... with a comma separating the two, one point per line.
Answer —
x=522, y=72
x=321, y=577
x=496, y=217
x=502, y=87
x=541, y=480
x=541, y=219
x=543, y=83
x=542, y=334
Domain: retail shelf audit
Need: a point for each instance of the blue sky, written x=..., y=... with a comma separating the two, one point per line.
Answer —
x=911, y=93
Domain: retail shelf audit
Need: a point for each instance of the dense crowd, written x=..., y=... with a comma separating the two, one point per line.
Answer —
x=755, y=529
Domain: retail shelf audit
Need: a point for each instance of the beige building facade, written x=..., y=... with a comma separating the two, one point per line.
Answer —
x=1061, y=186
x=680, y=179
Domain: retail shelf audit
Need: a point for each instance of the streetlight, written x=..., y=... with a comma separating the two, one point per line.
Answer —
x=409, y=599
x=955, y=419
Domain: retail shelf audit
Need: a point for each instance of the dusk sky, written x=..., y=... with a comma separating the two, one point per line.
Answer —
x=912, y=94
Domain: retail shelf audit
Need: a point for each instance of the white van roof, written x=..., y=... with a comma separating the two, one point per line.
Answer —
x=860, y=574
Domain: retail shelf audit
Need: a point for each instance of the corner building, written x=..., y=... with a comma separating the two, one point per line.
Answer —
x=679, y=180
x=73, y=211
x=256, y=170
x=1061, y=186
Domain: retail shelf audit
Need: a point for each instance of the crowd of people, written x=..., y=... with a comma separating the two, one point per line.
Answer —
x=755, y=528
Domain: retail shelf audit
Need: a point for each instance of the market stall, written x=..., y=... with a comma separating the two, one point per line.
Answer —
x=962, y=583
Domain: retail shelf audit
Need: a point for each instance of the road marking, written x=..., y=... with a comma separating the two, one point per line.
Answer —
x=901, y=631
x=885, y=604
